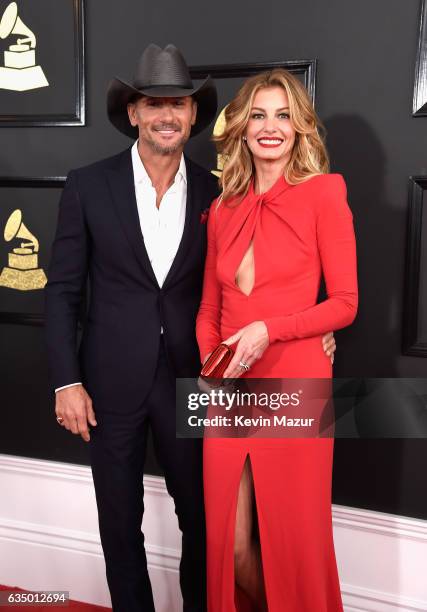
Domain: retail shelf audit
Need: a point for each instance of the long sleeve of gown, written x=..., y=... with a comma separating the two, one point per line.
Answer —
x=208, y=318
x=337, y=249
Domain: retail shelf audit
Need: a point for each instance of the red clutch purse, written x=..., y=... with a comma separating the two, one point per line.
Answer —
x=217, y=363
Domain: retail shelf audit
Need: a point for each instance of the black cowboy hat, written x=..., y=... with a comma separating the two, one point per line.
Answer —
x=160, y=73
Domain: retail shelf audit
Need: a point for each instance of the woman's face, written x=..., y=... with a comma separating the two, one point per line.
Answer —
x=269, y=132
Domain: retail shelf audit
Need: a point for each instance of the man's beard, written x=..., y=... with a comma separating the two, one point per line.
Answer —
x=166, y=149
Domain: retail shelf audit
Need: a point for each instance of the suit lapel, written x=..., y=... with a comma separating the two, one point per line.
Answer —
x=121, y=182
x=192, y=214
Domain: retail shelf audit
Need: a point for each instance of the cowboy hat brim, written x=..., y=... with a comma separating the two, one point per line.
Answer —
x=120, y=93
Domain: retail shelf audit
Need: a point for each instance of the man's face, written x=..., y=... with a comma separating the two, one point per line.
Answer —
x=164, y=124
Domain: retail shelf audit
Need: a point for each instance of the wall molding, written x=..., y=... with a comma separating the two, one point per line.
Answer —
x=381, y=523
x=381, y=557
x=358, y=599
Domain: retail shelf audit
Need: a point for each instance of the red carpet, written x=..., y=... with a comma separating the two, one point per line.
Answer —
x=77, y=606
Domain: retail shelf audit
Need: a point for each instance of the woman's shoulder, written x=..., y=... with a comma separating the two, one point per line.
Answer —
x=325, y=189
x=327, y=183
x=327, y=194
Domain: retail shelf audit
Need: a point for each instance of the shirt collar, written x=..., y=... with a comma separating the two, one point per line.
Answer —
x=140, y=173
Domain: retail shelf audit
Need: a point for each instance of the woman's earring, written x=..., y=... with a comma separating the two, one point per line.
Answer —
x=244, y=139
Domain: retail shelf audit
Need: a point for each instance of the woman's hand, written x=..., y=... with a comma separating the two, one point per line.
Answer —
x=252, y=342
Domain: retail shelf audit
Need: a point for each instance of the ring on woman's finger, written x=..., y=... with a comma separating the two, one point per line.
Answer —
x=60, y=420
x=244, y=365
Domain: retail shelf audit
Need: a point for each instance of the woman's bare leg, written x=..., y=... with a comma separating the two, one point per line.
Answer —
x=247, y=553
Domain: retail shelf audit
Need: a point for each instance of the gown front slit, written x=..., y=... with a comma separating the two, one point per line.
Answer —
x=298, y=233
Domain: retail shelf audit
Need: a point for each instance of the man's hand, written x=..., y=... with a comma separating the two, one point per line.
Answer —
x=329, y=346
x=74, y=406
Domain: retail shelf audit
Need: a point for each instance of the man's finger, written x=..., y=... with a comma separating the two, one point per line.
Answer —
x=91, y=415
x=73, y=425
x=67, y=424
x=85, y=435
x=82, y=427
x=59, y=419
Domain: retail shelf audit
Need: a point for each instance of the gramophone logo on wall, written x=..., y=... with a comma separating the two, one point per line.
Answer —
x=42, y=72
x=20, y=72
x=23, y=272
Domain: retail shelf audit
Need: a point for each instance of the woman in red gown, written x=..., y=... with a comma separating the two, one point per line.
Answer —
x=281, y=223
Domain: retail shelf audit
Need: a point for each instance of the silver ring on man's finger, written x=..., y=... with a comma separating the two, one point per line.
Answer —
x=244, y=365
x=60, y=420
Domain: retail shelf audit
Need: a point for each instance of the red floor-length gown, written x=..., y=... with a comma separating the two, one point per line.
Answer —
x=299, y=232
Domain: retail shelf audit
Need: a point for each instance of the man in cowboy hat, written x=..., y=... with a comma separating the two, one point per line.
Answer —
x=133, y=224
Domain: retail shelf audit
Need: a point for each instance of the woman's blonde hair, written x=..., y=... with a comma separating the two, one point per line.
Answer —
x=309, y=156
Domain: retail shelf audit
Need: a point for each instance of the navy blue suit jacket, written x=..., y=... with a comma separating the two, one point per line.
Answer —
x=99, y=239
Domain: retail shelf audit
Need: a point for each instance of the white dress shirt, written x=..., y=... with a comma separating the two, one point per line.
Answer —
x=161, y=227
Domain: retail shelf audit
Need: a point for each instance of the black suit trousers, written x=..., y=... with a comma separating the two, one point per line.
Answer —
x=117, y=447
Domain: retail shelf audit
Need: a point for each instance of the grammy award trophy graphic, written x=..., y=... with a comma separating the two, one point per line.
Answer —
x=20, y=72
x=23, y=272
